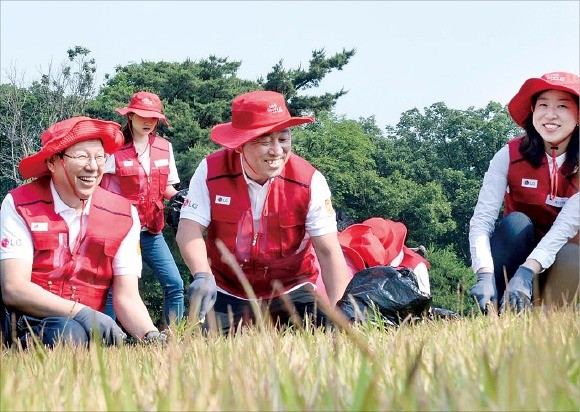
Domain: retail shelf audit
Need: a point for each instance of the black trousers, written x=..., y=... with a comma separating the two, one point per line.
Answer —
x=229, y=312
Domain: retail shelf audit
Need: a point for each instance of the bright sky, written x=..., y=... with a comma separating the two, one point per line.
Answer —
x=409, y=54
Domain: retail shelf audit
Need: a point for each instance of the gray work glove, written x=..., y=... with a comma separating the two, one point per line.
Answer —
x=485, y=290
x=518, y=294
x=155, y=336
x=202, y=294
x=103, y=326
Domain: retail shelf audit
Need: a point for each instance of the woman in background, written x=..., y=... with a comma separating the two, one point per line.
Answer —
x=535, y=176
x=144, y=172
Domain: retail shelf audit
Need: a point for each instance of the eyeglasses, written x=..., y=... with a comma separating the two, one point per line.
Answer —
x=84, y=160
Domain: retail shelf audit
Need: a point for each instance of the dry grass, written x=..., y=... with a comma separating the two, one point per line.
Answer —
x=525, y=362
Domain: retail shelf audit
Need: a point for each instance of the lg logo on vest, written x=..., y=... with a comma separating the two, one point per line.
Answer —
x=533, y=183
x=222, y=200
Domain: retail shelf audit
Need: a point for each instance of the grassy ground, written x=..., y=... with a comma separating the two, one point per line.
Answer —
x=525, y=362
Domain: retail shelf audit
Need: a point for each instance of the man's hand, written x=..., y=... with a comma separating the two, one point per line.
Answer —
x=485, y=290
x=518, y=295
x=103, y=326
x=155, y=336
x=202, y=294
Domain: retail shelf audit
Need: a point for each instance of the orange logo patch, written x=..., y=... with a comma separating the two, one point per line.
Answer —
x=329, y=208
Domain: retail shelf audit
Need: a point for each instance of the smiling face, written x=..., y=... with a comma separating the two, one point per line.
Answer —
x=142, y=126
x=266, y=156
x=83, y=177
x=555, y=116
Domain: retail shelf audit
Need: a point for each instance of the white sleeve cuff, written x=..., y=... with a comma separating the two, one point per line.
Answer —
x=542, y=257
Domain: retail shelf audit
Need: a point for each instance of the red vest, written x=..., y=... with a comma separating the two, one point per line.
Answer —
x=131, y=181
x=86, y=276
x=529, y=188
x=281, y=252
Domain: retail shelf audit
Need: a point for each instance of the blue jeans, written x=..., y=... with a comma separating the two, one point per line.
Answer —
x=301, y=302
x=158, y=257
x=512, y=241
x=51, y=330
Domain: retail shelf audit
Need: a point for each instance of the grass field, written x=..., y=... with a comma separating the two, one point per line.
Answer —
x=529, y=361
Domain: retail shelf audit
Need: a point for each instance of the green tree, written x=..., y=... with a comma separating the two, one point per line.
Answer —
x=290, y=82
x=345, y=151
x=25, y=112
x=452, y=148
x=341, y=150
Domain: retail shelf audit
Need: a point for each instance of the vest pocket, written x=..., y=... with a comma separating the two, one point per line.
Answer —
x=226, y=214
x=159, y=177
x=234, y=228
x=45, y=241
x=97, y=258
x=293, y=230
x=130, y=181
x=163, y=170
x=128, y=170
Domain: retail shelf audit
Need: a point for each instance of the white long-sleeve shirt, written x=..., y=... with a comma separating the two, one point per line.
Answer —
x=486, y=211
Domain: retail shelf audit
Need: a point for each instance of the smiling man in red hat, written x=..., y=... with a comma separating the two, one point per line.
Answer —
x=59, y=252
x=535, y=178
x=271, y=210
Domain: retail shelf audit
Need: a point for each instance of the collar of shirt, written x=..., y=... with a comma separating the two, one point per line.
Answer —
x=62, y=208
x=559, y=159
x=258, y=195
x=251, y=182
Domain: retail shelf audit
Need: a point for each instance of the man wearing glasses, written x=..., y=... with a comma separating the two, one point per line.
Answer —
x=65, y=241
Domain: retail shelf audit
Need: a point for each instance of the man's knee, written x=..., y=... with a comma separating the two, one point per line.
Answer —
x=74, y=333
x=61, y=329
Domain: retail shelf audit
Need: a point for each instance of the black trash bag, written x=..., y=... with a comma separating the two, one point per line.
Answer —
x=174, y=208
x=392, y=293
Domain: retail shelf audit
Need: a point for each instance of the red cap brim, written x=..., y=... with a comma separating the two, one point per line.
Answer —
x=228, y=136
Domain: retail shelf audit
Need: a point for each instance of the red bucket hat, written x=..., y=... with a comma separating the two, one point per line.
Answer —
x=361, y=239
x=377, y=241
x=255, y=114
x=391, y=234
x=520, y=105
x=66, y=133
x=354, y=260
x=144, y=104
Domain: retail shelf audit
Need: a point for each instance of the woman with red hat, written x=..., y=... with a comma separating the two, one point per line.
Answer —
x=271, y=212
x=143, y=170
x=60, y=254
x=535, y=177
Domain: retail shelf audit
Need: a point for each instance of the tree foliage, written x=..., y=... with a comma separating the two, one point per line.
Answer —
x=27, y=111
x=451, y=148
x=291, y=82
